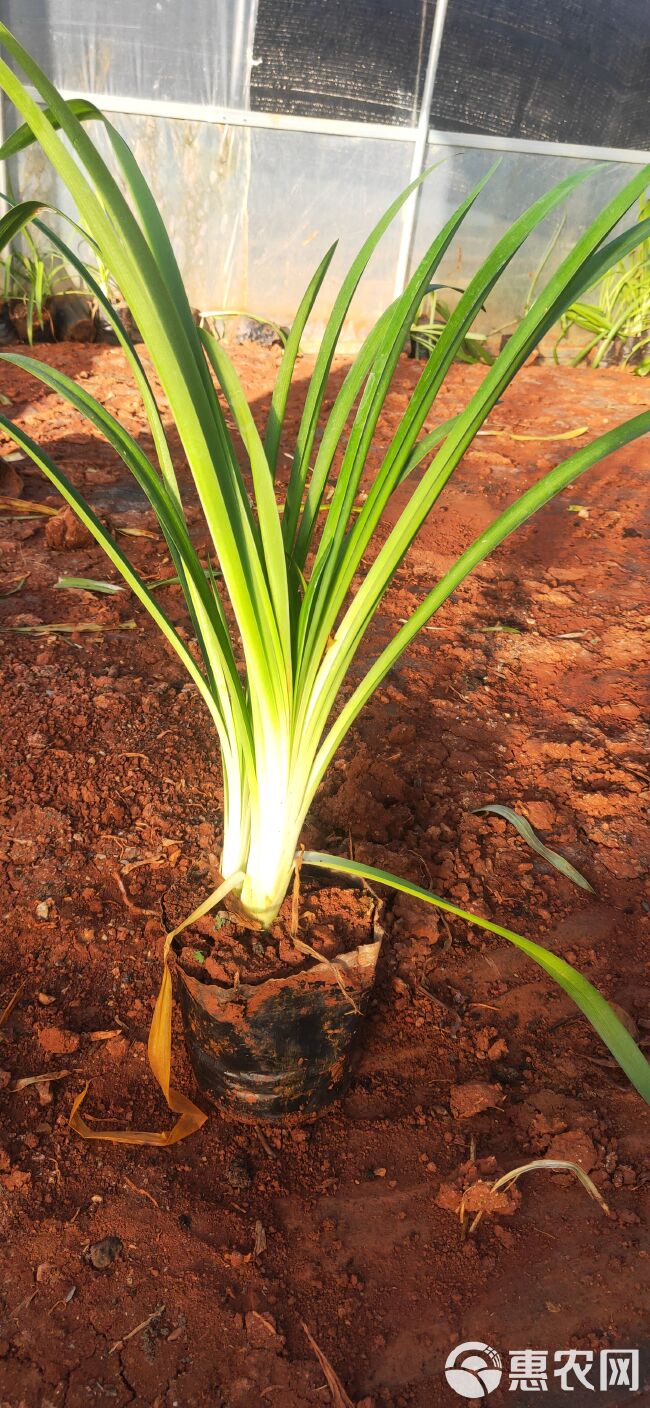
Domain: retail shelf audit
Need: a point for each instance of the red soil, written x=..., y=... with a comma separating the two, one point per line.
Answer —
x=472, y=1061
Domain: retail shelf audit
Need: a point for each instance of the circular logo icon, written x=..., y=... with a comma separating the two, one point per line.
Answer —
x=473, y=1370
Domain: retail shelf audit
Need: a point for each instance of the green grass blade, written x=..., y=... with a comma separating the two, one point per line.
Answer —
x=597, y=1011
x=83, y=110
x=332, y=433
x=531, y=838
x=462, y=318
x=506, y=523
x=394, y=466
x=148, y=399
x=542, y=314
x=273, y=626
x=326, y=585
x=160, y=244
x=374, y=396
x=24, y=137
x=425, y=446
x=129, y=257
x=15, y=220
x=267, y=509
x=285, y=373
x=318, y=383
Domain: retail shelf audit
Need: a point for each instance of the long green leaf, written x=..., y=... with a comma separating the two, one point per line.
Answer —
x=24, y=136
x=269, y=518
x=592, y=271
x=318, y=382
x=373, y=399
x=157, y=430
x=151, y=409
x=597, y=1011
x=333, y=430
x=84, y=110
x=15, y=220
x=531, y=838
x=506, y=523
x=380, y=574
x=425, y=446
x=393, y=468
x=129, y=257
x=285, y=374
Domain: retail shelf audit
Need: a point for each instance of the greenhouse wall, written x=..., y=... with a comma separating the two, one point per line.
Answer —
x=270, y=128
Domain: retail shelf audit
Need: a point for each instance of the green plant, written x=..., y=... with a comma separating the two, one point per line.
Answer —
x=430, y=323
x=295, y=595
x=32, y=278
x=620, y=320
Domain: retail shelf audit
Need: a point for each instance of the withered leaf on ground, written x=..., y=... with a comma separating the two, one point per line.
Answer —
x=24, y=1081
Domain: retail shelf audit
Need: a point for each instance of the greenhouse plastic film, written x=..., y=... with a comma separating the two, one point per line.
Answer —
x=518, y=180
x=199, y=172
x=198, y=52
x=308, y=189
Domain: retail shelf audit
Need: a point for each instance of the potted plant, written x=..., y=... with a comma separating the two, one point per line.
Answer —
x=430, y=321
x=618, y=323
x=29, y=282
x=40, y=305
x=278, y=632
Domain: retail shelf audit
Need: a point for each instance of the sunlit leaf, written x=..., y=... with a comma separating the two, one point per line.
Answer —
x=603, y=1019
x=88, y=584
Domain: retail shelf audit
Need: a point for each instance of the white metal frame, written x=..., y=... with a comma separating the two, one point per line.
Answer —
x=409, y=215
x=420, y=135
x=339, y=127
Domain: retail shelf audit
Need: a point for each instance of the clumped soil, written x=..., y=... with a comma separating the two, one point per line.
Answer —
x=186, y=1276
x=330, y=919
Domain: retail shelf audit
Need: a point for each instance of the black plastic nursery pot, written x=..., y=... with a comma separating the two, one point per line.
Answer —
x=7, y=333
x=73, y=317
x=279, y=1048
x=67, y=317
x=42, y=330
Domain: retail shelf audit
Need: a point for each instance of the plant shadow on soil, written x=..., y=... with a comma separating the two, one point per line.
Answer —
x=109, y=778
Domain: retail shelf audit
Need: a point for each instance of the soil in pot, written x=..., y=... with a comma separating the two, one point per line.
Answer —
x=271, y=1018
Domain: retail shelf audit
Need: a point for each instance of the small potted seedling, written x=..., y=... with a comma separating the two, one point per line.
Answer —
x=432, y=316
x=618, y=322
x=31, y=279
x=41, y=303
x=302, y=571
